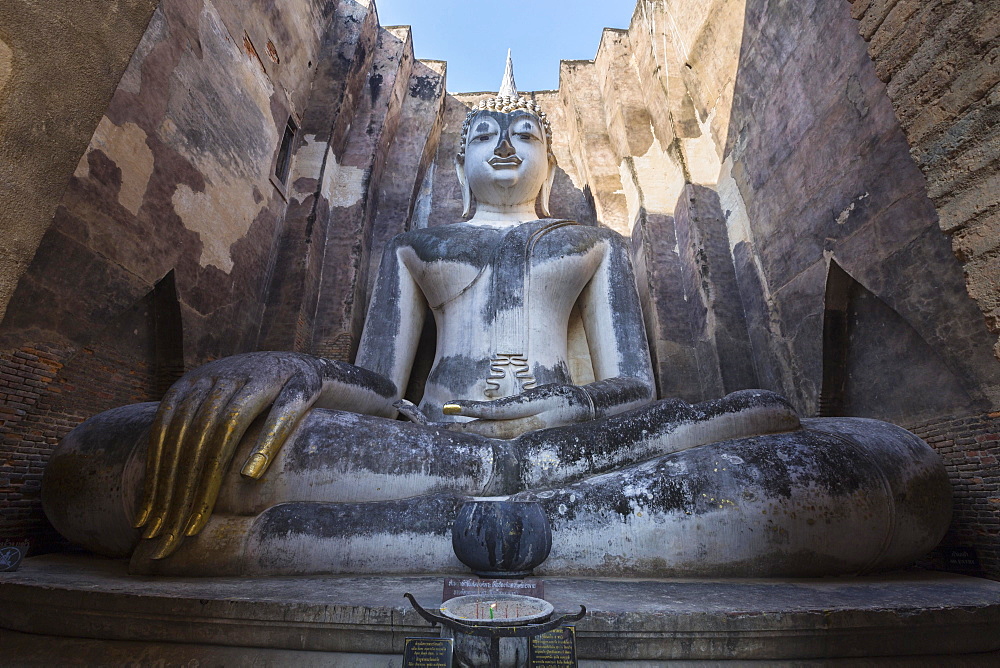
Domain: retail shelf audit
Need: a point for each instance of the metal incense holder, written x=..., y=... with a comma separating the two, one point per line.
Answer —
x=478, y=623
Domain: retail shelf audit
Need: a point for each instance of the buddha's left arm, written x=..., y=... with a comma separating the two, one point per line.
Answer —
x=612, y=318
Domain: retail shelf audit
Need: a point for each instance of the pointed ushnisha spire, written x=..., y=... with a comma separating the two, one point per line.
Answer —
x=506, y=101
x=507, y=87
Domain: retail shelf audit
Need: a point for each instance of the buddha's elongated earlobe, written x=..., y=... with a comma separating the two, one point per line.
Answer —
x=466, y=191
x=543, y=196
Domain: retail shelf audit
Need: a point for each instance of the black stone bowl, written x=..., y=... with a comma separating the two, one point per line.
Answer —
x=501, y=539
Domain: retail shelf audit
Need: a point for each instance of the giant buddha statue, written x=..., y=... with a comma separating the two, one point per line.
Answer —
x=541, y=389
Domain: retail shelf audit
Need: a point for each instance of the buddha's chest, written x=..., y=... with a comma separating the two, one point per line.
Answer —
x=491, y=273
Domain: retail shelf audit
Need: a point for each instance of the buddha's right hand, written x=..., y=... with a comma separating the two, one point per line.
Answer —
x=201, y=420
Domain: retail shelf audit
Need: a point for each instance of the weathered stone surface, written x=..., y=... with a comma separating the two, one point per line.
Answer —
x=940, y=63
x=58, y=70
x=341, y=69
x=775, y=106
x=824, y=142
x=593, y=157
x=726, y=488
x=409, y=160
x=66, y=599
x=715, y=312
x=179, y=168
x=669, y=332
x=351, y=186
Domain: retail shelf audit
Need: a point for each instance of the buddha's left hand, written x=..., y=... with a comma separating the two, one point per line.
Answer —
x=538, y=408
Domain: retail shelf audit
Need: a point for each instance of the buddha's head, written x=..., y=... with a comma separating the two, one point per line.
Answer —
x=505, y=155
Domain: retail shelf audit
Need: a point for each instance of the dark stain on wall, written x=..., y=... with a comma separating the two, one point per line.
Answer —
x=425, y=87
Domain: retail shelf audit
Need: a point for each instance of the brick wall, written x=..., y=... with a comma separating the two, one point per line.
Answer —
x=970, y=447
x=46, y=391
x=940, y=60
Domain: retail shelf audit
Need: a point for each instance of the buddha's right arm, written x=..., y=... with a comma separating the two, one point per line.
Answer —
x=205, y=414
x=203, y=417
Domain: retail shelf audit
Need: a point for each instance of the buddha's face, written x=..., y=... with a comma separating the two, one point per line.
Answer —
x=506, y=158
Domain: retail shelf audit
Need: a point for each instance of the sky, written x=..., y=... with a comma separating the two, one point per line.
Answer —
x=474, y=35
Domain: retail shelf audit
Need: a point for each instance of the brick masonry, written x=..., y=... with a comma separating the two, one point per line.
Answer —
x=940, y=61
x=970, y=447
x=45, y=392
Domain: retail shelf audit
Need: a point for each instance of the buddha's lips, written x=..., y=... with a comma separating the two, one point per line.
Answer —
x=512, y=161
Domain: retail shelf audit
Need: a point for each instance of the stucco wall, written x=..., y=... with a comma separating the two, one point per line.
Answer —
x=159, y=250
x=173, y=243
x=941, y=65
x=58, y=69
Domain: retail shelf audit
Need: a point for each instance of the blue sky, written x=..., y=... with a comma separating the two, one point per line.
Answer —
x=473, y=36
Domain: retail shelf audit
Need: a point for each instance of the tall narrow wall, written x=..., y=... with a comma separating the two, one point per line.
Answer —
x=58, y=70
x=177, y=241
x=940, y=62
x=359, y=170
x=316, y=182
x=160, y=250
x=941, y=65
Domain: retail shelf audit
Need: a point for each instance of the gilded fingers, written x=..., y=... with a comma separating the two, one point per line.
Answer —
x=154, y=456
x=198, y=427
x=192, y=462
x=174, y=435
x=241, y=411
x=294, y=400
x=191, y=444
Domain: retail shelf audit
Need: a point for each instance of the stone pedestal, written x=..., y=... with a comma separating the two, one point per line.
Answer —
x=73, y=608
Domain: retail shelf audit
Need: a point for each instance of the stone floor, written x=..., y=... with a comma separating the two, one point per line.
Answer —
x=76, y=609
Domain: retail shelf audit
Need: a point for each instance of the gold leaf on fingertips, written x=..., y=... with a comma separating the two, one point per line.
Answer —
x=254, y=468
x=153, y=530
x=167, y=546
x=194, y=525
x=143, y=516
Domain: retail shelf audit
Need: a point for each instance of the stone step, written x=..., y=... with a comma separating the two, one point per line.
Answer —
x=79, y=606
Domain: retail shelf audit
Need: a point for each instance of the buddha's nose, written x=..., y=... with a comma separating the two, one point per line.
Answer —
x=504, y=149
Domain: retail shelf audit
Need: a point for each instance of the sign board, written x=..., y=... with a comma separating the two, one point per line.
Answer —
x=553, y=649
x=471, y=585
x=11, y=555
x=427, y=652
x=962, y=560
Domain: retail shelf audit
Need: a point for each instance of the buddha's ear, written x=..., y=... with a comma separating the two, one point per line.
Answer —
x=466, y=191
x=543, y=196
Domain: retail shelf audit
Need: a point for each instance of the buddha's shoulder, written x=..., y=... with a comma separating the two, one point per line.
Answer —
x=463, y=242
x=595, y=232
x=456, y=241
